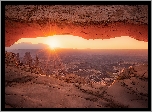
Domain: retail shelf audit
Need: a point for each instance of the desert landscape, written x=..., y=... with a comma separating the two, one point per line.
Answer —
x=29, y=88
x=104, y=66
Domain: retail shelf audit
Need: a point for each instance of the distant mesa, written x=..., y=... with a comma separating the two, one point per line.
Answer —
x=26, y=42
x=28, y=45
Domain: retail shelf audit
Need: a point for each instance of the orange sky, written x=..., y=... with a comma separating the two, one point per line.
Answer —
x=69, y=41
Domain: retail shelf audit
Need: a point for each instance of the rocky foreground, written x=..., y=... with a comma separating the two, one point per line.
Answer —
x=29, y=90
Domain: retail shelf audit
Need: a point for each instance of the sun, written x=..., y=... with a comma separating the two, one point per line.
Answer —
x=53, y=43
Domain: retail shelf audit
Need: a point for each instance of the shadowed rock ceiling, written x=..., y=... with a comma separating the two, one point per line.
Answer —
x=87, y=21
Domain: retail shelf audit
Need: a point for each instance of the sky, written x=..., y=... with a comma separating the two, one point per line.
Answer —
x=76, y=42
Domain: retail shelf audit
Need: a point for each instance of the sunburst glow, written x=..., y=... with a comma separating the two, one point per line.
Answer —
x=52, y=42
x=70, y=41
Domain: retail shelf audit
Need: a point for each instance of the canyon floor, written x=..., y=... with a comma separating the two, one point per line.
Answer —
x=30, y=90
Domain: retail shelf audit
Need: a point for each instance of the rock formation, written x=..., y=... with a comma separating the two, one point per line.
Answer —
x=26, y=89
x=87, y=21
x=11, y=58
x=27, y=65
x=27, y=59
x=131, y=88
x=36, y=61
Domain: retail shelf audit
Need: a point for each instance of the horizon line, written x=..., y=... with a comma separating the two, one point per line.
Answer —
x=80, y=48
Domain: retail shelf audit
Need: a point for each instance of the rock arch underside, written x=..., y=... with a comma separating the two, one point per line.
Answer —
x=87, y=21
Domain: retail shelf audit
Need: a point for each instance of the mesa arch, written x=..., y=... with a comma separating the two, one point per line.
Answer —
x=87, y=21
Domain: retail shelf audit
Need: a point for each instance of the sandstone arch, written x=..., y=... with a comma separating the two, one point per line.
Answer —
x=89, y=22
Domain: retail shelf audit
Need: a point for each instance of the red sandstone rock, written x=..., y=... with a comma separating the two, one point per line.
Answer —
x=89, y=22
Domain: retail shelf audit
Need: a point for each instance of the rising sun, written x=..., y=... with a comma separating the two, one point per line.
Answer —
x=53, y=43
